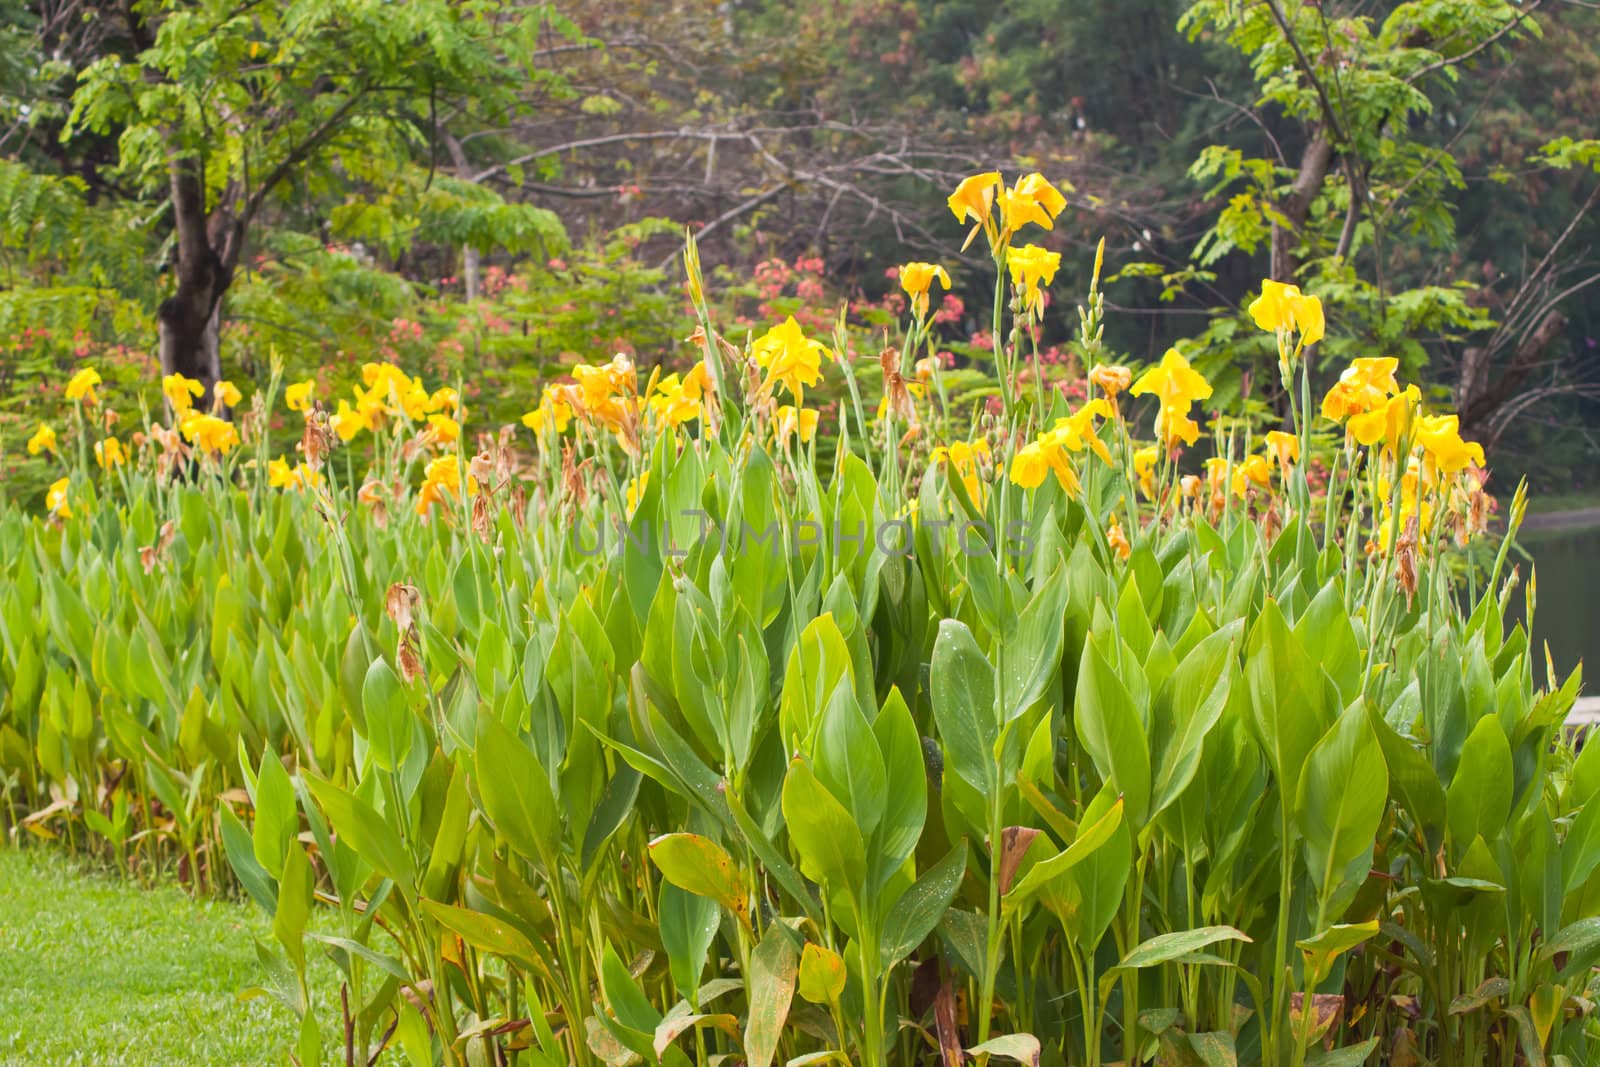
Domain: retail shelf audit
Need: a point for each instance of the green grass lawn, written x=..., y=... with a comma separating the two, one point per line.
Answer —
x=98, y=971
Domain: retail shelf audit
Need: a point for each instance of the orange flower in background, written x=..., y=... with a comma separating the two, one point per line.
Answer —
x=1118, y=540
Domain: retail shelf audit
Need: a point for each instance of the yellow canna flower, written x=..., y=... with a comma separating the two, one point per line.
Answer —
x=677, y=402
x=298, y=478
x=298, y=395
x=606, y=394
x=1045, y=455
x=346, y=422
x=81, y=385
x=371, y=407
x=1173, y=381
x=789, y=420
x=552, y=411
x=962, y=458
x=1031, y=266
x=789, y=357
x=443, y=430
x=974, y=198
x=209, y=434
x=1029, y=467
x=441, y=480
x=1440, y=438
x=1364, y=386
x=1285, y=448
x=226, y=394
x=1077, y=430
x=1032, y=200
x=109, y=453
x=415, y=401
x=445, y=399
x=1037, y=189
x=1174, y=426
x=1254, y=470
x=55, y=501
x=1284, y=308
x=181, y=392
x=916, y=279
x=43, y=440
x=636, y=490
x=1144, y=469
x=1388, y=423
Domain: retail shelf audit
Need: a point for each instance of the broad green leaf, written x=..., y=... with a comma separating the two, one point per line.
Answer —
x=1112, y=731
x=1342, y=797
x=822, y=974
x=1165, y=948
x=1478, y=800
x=1090, y=837
x=700, y=866
x=384, y=703
x=961, y=682
x=277, y=818
x=370, y=834
x=914, y=915
x=773, y=967
x=906, y=804
x=831, y=850
x=848, y=762
x=516, y=794
x=1287, y=704
x=1320, y=951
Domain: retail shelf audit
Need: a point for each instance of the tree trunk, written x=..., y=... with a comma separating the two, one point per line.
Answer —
x=1296, y=205
x=470, y=260
x=208, y=247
